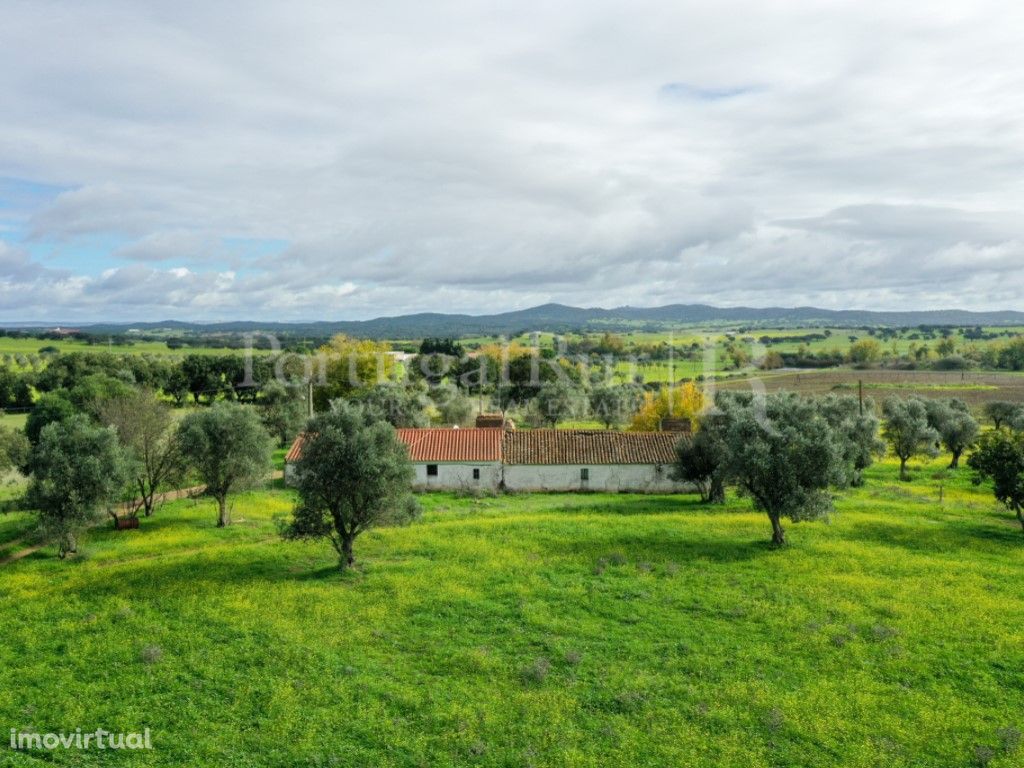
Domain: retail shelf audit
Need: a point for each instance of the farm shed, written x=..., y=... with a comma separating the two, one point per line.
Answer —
x=590, y=460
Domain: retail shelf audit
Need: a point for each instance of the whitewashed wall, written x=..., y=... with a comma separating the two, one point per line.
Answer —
x=640, y=478
x=455, y=476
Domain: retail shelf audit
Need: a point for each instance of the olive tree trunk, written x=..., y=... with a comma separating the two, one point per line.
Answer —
x=224, y=515
x=955, y=463
x=778, y=532
x=69, y=544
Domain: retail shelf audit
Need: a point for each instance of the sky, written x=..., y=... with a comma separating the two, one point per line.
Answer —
x=341, y=160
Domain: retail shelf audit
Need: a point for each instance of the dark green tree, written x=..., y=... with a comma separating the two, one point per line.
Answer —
x=1000, y=458
x=1002, y=411
x=283, y=409
x=956, y=426
x=703, y=459
x=400, y=405
x=353, y=474
x=77, y=470
x=857, y=425
x=14, y=450
x=785, y=456
x=49, y=408
x=559, y=400
x=614, y=404
x=228, y=448
x=907, y=430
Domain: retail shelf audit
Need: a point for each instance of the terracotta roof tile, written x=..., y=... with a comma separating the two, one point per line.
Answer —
x=537, y=446
x=578, y=446
x=295, y=452
x=442, y=444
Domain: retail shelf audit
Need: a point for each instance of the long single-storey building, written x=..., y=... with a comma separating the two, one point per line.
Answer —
x=589, y=460
x=536, y=460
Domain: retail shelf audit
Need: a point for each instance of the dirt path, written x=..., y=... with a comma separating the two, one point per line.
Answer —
x=127, y=506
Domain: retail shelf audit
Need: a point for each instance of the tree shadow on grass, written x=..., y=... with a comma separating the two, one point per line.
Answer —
x=636, y=504
x=941, y=538
x=656, y=547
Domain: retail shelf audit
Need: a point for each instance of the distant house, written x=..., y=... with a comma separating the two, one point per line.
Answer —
x=535, y=460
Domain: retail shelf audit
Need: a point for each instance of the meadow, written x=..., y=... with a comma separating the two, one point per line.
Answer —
x=542, y=630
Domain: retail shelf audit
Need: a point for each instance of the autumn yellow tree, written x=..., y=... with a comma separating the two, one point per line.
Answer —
x=684, y=401
x=349, y=366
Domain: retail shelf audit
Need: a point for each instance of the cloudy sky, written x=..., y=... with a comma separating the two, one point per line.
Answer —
x=292, y=160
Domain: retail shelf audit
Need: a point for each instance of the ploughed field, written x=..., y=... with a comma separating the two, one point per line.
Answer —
x=973, y=387
x=544, y=630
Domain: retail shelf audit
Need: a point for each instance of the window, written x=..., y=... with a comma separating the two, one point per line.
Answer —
x=431, y=470
x=585, y=474
x=476, y=473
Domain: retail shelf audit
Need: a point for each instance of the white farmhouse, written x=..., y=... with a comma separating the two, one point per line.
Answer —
x=442, y=458
x=590, y=460
x=454, y=458
x=536, y=460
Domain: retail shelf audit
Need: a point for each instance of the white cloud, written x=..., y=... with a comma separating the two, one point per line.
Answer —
x=328, y=160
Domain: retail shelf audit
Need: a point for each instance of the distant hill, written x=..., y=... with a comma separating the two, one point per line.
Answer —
x=562, y=318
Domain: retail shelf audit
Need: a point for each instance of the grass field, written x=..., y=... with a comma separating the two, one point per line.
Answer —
x=28, y=346
x=544, y=630
x=13, y=420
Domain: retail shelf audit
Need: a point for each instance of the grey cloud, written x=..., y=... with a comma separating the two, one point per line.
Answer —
x=470, y=157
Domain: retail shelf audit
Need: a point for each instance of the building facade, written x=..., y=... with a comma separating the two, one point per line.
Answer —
x=494, y=459
x=590, y=460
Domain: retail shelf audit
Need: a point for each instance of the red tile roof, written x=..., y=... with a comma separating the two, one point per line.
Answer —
x=295, y=452
x=580, y=446
x=443, y=444
x=537, y=446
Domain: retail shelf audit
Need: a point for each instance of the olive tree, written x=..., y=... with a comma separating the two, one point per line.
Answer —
x=784, y=454
x=283, y=410
x=857, y=425
x=77, y=470
x=614, y=404
x=956, y=427
x=227, y=446
x=402, y=406
x=1002, y=412
x=145, y=428
x=14, y=449
x=453, y=406
x=1000, y=458
x=907, y=430
x=703, y=460
x=353, y=474
x=559, y=400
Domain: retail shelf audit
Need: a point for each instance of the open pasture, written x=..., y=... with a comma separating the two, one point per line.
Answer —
x=544, y=630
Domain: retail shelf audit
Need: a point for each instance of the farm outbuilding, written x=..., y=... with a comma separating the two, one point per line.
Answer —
x=536, y=460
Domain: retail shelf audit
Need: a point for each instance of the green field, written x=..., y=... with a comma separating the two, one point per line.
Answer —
x=13, y=420
x=30, y=346
x=544, y=630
